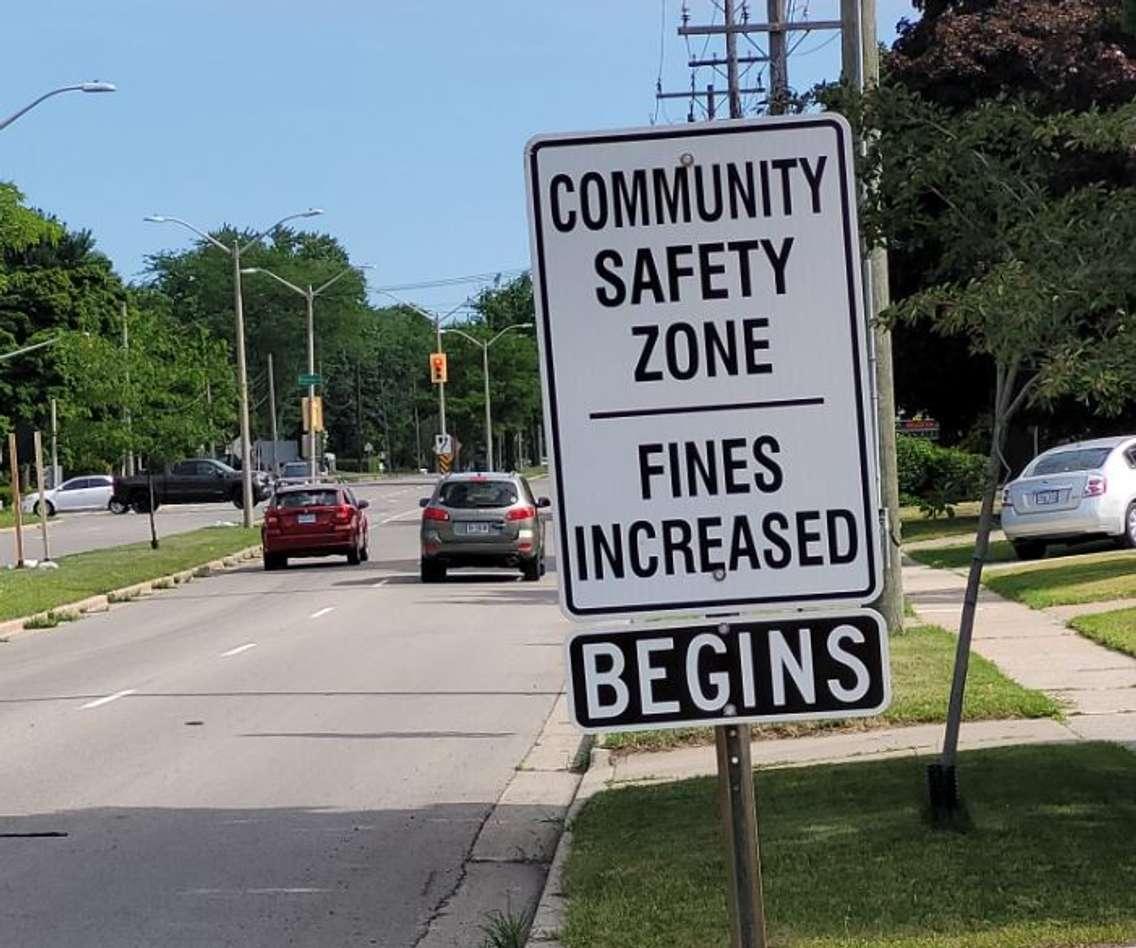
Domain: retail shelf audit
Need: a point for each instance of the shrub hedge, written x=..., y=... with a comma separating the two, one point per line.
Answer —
x=936, y=478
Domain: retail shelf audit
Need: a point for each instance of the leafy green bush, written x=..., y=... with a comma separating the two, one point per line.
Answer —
x=937, y=478
x=6, y=496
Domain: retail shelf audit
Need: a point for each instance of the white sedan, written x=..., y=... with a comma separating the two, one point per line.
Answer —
x=89, y=492
x=1078, y=491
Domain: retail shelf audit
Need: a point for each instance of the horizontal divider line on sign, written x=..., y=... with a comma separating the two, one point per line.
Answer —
x=690, y=409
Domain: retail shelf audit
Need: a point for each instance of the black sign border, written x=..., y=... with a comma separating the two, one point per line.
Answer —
x=662, y=627
x=851, y=257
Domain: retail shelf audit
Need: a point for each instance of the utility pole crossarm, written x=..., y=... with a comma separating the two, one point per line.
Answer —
x=788, y=26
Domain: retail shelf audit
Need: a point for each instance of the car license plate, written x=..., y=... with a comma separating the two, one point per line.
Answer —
x=305, y=518
x=473, y=528
x=1045, y=497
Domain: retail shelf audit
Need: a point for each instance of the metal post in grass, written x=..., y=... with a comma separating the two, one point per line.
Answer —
x=42, y=495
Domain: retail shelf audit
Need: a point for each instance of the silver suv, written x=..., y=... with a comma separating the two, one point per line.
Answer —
x=482, y=520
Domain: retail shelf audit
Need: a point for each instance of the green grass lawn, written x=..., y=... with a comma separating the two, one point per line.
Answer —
x=958, y=557
x=917, y=527
x=921, y=663
x=1116, y=630
x=1094, y=578
x=26, y=591
x=849, y=859
x=7, y=518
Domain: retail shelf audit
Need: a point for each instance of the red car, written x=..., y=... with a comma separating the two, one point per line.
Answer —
x=314, y=520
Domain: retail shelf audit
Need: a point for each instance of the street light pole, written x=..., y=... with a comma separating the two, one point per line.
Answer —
x=437, y=319
x=39, y=345
x=242, y=368
x=242, y=385
x=485, y=371
x=81, y=87
x=309, y=296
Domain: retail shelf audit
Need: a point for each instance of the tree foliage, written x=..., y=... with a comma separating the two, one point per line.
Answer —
x=166, y=396
x=1069, y=54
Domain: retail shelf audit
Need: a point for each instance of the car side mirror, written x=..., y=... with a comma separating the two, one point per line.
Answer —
x=424, y=502
x=543, y=502
x=364, y=504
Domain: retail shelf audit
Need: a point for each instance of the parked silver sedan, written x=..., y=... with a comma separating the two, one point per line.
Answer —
x=1080, y=491
x=482, y=520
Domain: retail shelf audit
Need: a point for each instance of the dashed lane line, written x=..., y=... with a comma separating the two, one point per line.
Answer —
x=99, y=702
x=238, y=649
x=321, y=612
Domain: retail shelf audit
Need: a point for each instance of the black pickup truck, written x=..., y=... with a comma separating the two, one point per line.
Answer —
x=196, y=481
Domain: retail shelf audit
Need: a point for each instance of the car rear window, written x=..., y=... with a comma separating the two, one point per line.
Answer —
x=1065, y=462
x=308, y=498
x=476, y=494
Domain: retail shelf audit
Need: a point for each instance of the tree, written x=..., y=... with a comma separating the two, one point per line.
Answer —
x=1040, y=285
x=170, y=393
x=51, y=279
x=199, y=284
x=1068, y=54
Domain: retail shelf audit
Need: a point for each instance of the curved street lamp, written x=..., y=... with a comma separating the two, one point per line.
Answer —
x=235, y=252
x=485, y=370
x=310, y=295
x=81, y=87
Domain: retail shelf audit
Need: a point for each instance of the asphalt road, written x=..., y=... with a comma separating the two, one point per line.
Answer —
x=295, y=758
x=92, y=530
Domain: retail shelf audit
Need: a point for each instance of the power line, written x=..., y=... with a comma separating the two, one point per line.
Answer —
x=489, y=277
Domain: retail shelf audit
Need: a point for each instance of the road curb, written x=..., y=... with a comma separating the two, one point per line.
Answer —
x=72, y=611
x=551, y=910
x=524, y=828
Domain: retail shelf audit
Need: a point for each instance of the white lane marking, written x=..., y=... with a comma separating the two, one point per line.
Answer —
x=321, y=612
x=381, y=582
x=399, y=516
x=98, y=702
x=238, y=649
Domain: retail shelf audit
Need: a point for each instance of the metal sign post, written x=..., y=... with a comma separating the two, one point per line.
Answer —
x=738, y=805
x=38, y=441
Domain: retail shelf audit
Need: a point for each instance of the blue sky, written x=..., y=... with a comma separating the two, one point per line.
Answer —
x=405, y=121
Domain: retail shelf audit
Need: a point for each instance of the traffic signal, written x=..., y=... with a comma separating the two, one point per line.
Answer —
x=437, y=367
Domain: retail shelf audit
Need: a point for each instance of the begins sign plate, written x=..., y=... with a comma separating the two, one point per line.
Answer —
x=703, y=351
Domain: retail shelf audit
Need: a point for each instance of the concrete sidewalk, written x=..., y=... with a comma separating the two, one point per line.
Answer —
x=1096, y=685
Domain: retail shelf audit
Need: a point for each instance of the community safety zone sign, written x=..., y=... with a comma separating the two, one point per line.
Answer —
x=799, y=668
x=703, y=352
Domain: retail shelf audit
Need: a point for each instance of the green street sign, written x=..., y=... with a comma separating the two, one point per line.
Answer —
x=313, y=378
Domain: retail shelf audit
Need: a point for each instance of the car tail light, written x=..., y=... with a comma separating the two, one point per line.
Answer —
x=1007, y=500
x=524, y=546
x=342, y=514
x=434, y=513
x=521, y=513
x=1096, y=485
x=271, y=519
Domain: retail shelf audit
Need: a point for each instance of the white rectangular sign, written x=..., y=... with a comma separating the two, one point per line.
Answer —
x=703, y=350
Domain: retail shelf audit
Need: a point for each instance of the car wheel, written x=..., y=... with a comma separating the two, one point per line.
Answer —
x=274, y=561
x=50, y=508
x=238, y=499
x=531, y=570
x=117, y=506
x=1129, y=538
x=353, y=556
x=365, y=553
x=1029, y=549
x=140, y=503
x=432, y=572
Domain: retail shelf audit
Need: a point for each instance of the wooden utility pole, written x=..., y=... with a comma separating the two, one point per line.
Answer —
x=861, y=69
x=14, y=464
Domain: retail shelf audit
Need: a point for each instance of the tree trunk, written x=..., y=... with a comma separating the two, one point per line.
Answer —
x=153, y=526
x=941, y=776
